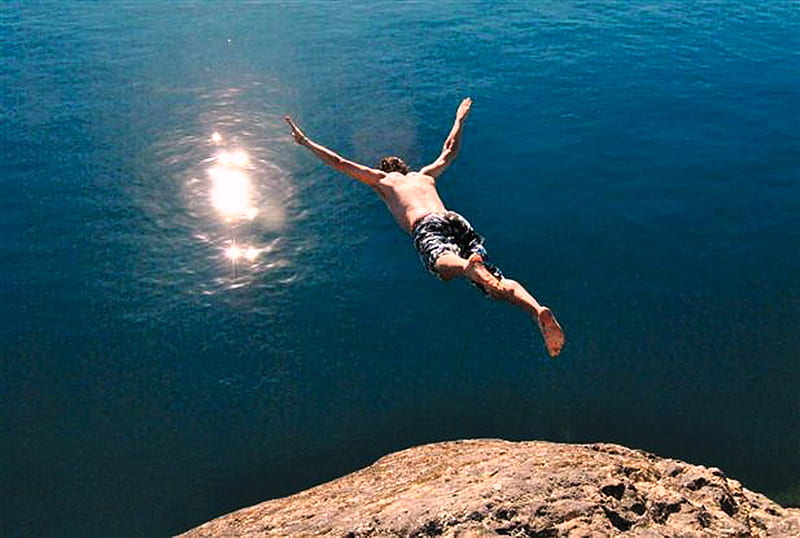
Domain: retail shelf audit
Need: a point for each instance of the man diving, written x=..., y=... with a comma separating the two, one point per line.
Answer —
x=447, y=243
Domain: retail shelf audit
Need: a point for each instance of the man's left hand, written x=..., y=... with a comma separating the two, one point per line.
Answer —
x=298, y=135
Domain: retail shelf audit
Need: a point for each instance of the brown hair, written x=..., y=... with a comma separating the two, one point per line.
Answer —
x=394, y=164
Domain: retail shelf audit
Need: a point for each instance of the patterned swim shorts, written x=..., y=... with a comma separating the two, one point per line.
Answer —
x=438, y=233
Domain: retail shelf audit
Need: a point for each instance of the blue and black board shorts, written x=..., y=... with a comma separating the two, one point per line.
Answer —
x=438, y=233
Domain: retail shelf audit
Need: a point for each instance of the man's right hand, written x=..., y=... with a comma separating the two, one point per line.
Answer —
x=298, y=135
x=463, y=109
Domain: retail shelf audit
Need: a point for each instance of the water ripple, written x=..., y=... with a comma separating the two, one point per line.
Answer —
x=227, y=205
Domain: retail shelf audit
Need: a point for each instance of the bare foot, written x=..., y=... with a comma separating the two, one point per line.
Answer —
x=551, y=332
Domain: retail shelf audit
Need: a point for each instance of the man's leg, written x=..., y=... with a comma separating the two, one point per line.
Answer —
x=450, y=266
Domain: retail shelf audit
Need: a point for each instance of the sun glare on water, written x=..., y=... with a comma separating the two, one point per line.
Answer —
x=239, y=193
x=233, y=196
x=236, y=253
x=231, y=188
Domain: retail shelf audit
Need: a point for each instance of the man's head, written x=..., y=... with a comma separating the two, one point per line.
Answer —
x=394, y=164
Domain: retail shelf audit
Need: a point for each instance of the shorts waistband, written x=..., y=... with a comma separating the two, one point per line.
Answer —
x=428, y=216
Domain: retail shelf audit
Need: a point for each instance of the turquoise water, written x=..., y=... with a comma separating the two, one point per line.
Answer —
x=197, y=315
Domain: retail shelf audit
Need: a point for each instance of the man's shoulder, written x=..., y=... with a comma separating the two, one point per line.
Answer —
x=399, y=177
x=420, y=176
x=404, y=184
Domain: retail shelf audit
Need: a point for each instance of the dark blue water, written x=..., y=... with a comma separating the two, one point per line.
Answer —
x=197, y=315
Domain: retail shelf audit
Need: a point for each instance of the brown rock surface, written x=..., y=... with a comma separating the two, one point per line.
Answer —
x=471, y=489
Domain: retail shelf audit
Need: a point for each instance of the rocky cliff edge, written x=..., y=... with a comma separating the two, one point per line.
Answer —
x=480, y=488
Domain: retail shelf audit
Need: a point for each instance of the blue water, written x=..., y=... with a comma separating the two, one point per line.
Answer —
x=197, y=315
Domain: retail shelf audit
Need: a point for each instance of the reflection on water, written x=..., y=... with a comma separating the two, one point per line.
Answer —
x=232, y=196
x=233, y=199
x=231, y=188
x=235, y=253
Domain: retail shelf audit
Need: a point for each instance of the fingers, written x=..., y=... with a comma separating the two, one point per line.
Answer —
x=464, y=107
x=296, y=132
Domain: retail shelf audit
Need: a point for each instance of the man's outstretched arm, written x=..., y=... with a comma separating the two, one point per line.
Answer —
x=452, y=144
x=365, y=174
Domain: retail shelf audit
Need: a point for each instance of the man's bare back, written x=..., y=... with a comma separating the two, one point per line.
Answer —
x=446, y=241
x=409, y=197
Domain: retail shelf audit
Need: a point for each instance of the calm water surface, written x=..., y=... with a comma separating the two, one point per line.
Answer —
x=197, y=315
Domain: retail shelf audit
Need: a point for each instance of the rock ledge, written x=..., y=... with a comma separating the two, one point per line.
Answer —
x=479, y=488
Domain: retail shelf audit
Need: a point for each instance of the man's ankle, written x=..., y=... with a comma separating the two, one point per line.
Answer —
x=474, y=259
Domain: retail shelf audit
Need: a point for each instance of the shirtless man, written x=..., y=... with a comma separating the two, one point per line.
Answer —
x=447, y=244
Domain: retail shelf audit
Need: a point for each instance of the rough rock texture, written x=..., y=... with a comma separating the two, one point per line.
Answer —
x=489, y=488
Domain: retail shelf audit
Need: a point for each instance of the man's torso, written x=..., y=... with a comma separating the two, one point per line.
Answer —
x=409, y=197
